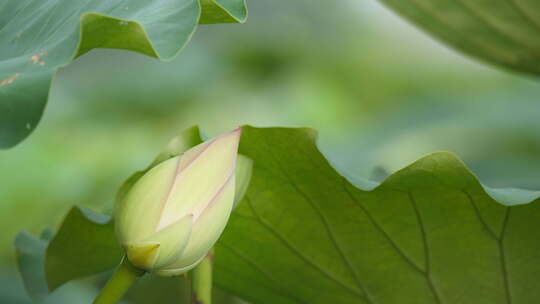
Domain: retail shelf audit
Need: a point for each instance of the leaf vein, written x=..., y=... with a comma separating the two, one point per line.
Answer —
x=426, y=248
x=297, y=252
x=479, y=216
x=16, y=15
x=381, y=230
x=474, y=14
x=262, y=271
x=64, y=22
x=531, y=20
x=502, y=256
x=326, y=226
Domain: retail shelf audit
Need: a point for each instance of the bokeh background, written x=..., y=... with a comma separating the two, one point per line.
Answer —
x=381, y=93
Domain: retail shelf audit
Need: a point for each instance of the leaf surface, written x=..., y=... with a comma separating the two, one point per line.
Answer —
x=83, y=246
x=428, y=234
x=30, y=252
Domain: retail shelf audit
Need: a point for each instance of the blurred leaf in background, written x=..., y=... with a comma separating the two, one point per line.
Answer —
x=503, y=32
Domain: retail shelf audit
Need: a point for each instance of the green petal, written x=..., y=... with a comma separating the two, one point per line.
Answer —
x=178, y=271
x=143, y=256
x=173, y=239
x=244, y=167
x=207, y=228
x=138, y=215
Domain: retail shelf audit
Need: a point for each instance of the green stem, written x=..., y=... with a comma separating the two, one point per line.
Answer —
x=202, y=280
x=123, y=277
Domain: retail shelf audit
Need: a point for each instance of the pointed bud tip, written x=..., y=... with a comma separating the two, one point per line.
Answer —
x=236, y=132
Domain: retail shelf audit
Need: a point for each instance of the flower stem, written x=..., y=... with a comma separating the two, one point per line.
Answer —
x=202, y=280
x=123, y=277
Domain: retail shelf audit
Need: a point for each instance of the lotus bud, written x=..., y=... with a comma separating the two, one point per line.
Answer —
x=176, y=211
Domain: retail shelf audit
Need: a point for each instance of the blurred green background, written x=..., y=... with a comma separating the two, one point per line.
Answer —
x=380, y=92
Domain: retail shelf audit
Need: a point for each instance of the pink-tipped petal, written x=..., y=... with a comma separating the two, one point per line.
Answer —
x=201, y=178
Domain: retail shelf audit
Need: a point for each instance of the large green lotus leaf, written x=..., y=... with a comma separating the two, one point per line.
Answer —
x=503, y=32
x=429, y=233
x=39, y=36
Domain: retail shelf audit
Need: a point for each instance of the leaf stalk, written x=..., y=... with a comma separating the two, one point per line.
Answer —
x=202, y=280
x=123, y=277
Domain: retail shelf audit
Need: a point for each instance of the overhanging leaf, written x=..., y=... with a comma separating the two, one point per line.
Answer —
x=428, y=234
x=503, y=32
x=221, y=11
x=38, y=37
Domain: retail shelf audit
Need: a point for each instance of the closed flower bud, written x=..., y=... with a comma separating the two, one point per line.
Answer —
x=177, y=210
